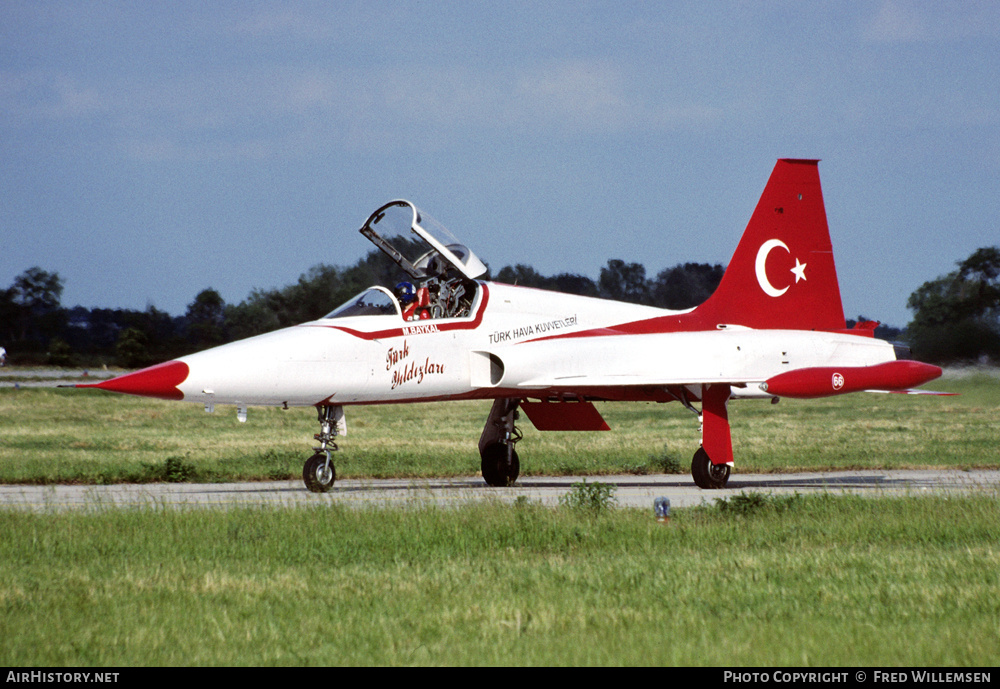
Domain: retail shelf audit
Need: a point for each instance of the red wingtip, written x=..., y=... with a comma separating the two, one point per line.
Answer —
x=159, y=381
x=825, y=381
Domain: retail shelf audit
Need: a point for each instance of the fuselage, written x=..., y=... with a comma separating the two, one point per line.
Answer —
x=518, y=342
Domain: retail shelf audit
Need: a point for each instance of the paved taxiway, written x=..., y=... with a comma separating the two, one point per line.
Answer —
x=631, y=491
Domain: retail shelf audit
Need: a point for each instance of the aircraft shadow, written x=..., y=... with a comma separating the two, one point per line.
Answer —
x=815, y=482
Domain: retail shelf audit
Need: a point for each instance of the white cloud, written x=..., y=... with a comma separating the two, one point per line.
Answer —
x=237, y=112
x=894, y=23
x=905, y=21
x=37, y=95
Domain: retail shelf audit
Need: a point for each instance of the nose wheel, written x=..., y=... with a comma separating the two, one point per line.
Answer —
x=319, y=473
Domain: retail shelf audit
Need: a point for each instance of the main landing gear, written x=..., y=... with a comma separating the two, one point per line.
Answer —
x=712, y=463
x=319, y=473
x=500, y=464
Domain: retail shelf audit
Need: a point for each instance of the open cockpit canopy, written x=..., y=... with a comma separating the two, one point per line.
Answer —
x=443, y=268
x=420, y=245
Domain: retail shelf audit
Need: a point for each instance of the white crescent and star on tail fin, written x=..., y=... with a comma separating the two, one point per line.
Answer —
x=760, y=266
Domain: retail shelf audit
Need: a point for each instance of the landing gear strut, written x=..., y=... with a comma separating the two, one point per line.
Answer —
x=712, y=462
x=319, y=473
x=500, y=463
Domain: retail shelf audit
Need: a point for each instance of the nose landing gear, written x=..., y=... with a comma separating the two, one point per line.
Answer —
x=319, y=474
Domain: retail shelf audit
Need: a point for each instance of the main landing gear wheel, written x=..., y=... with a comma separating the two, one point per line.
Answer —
x=319, y=473
x=707, y=475
x=496, y=470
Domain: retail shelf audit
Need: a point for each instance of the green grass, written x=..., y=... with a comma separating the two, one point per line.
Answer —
x=51, y=436
x=756, y=580
x=783, y=581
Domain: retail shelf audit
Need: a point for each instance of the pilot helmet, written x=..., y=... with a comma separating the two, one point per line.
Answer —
x=406, y=292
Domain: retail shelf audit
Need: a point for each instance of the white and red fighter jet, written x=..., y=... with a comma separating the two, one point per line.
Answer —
x=774, y=328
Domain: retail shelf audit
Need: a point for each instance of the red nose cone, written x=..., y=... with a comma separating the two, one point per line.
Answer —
x=159, y=381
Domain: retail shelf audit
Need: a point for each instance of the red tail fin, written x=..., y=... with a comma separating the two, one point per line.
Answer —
x=782, y=274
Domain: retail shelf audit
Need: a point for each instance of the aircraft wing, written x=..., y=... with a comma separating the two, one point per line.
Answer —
x=915, y=392
x=753, y=364
x=624, y=380
x=656, y=360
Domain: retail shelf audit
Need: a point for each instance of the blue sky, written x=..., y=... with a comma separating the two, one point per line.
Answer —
x=151, y=150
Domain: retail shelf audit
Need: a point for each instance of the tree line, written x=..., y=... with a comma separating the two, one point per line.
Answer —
x=956, y=316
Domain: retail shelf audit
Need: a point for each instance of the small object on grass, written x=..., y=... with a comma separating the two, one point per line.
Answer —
x=661, y=507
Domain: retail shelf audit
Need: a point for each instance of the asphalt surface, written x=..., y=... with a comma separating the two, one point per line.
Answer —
x=631, y=491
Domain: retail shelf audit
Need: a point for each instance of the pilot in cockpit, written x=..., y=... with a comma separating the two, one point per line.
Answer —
x=413, y=302
x=405, y=292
